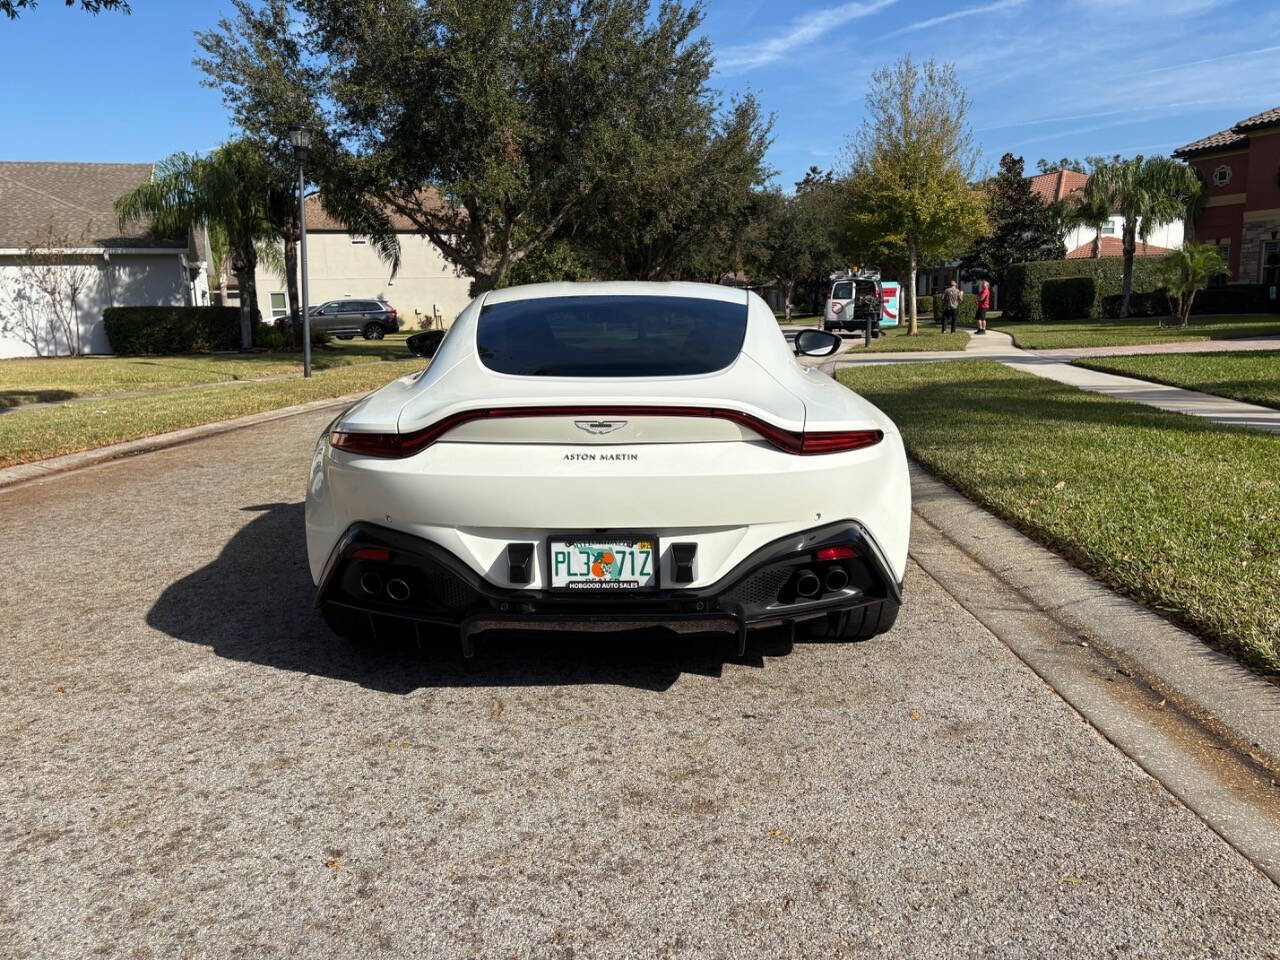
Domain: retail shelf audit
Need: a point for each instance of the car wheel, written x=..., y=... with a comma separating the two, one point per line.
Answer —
x=860, y=624
x=374, y=331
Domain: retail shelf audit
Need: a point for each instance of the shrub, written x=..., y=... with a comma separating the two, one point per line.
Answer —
x=1021, y=294
x=1067, y=298
x=270, y=338
x=321, y=338
x=140, y=330
x=1154, y=303
x=1236, y=298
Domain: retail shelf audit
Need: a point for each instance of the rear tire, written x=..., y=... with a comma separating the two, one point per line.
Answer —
x=860, y=624
x=374, y=331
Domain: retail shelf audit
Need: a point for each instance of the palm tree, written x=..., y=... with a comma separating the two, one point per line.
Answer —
x=1147, y=192
x=1187, y=271
x=232, y=189
x=1093, y=208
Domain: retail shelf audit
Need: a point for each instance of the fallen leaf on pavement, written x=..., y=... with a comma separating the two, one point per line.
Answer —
x=1070, y=879
x=334, y=864
x=915, y=714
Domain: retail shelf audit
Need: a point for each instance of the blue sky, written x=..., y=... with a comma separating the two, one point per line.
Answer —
x=1047, y=77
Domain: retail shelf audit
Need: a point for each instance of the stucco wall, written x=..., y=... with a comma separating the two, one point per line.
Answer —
x=121, y=281
x=1168, y=235
x=338, y=268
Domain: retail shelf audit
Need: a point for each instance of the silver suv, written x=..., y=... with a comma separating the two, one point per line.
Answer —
x=372, y=319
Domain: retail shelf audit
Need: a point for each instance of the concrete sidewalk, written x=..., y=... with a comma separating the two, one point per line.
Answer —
x=1056, y=365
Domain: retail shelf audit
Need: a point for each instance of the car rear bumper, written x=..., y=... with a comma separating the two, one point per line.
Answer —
x=443, y=591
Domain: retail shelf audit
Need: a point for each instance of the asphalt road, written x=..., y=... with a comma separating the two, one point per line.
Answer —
x=193, y=767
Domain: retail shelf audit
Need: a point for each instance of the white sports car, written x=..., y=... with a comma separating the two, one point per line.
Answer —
x=609, y=456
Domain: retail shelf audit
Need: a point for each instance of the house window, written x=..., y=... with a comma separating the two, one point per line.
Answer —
x=1271, y=263
x=278, y=307
x=359, y=241
x=1222, y=176
x=1109, y=228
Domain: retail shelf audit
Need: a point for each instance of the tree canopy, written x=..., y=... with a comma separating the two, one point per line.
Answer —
x=13, y=8
x=1022, y=226
x=912, y=162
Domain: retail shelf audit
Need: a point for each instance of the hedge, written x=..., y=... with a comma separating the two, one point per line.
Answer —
x=966, y=316
x=1023, y=283
x=139, y=330
x=1067, y=298
x=1237, y=298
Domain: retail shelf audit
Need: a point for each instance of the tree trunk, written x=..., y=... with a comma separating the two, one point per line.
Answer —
x=1097, y=243
x=292, y=285
x=246, y=320
x=1130, y=245
x=787, y=289
x=912, y=330
x=245, y=286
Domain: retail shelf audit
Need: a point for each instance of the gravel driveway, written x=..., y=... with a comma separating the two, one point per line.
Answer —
x=193, y=767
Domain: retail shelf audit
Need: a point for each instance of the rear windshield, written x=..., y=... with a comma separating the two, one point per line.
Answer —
x=842, y=290
x=610, y=336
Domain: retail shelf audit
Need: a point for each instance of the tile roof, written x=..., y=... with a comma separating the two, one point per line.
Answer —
x=1114, y=247
x=72, y=200
x=1215, y=141
x=1233, y=136
x=1054, y=186
x=1264, y=119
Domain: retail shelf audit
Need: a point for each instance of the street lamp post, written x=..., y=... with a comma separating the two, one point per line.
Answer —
x=300, y=137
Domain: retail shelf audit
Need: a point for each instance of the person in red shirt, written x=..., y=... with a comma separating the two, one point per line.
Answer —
x=984, y=301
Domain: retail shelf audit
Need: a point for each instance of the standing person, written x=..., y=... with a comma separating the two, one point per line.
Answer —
x=950, y=306
x=984, y=301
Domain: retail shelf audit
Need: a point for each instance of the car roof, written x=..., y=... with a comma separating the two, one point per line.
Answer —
x=618, y=288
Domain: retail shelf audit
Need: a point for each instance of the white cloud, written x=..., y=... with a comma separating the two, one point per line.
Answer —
x=955, y=15
x=738, y=59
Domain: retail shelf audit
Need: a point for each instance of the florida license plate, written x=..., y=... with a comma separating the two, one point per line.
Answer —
x=614, y=563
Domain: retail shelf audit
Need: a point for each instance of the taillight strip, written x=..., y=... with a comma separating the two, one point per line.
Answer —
x=789, y=441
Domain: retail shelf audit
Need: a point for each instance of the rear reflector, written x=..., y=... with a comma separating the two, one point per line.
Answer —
x=789, y=441
x=380, y=554
x=834, y=553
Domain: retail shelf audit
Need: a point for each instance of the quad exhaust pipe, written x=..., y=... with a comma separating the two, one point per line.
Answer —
x=371, y=583
x=398, y=590
x=836, y=579
x=807, y=583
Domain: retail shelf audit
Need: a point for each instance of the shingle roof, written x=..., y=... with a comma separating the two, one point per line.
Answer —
x=319, y=220
x=1114, y=247
x=1057, y=185
x=1215, y=141
x=71, y=200
x=1264, y=119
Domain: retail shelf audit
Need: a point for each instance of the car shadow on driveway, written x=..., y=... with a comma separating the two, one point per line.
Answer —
x=254, y=603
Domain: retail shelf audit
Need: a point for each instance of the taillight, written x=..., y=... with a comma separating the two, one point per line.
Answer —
x=825, y=554
x=379, y=554
x=397, y=445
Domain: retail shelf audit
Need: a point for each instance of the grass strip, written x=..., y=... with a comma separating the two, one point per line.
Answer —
x=1175, y=511
x=897, y=340
x=1123, y=333
x=1252, y=376
x=67, y=428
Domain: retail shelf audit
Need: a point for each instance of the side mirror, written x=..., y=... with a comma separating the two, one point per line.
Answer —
x=816, y=343
x=425, y=344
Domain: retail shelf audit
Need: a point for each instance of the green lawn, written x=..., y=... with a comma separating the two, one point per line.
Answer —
x=1178, y=512
x=929, y=337
x=1253, y=377
x=66, y=428
x=1121, y=333
x=800, y=319
x=54, y=379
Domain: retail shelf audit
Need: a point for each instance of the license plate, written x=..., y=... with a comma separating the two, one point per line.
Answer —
x=603, y=563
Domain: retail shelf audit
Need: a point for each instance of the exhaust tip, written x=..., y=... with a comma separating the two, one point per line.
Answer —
x=371, y=583
x=836, y=579
x=807, y=584
x=397, y=590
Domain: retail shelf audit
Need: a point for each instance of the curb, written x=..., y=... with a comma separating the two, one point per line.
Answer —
x=1210, y=687
x=56, y=466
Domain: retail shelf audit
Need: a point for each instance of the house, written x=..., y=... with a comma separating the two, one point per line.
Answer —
x=1241, y=166
x=340, y=264
x=63, y=258
x=1062, y=184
